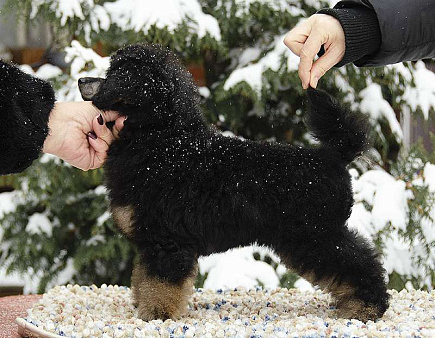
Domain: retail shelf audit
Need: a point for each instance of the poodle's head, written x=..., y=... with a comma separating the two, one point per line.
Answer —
x=143, y=81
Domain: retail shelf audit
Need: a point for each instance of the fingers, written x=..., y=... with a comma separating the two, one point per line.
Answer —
x=306, y=39
x=98, y=152
x=119, y=124
x=296, y=38
x=323, y=64
x=101, y=130
x=99, y=140
x=308, y=53
x=109, y=115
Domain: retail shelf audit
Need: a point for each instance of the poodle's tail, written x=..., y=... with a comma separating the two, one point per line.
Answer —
x=336, y=128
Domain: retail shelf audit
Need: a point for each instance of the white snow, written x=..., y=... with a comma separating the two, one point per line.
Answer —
x=45, y=158
x=80, y=55
x=48, y=71
x=36, y=4
x=65, y=276
x=387, y=219
x=103, y=218
x=100, y=18
x=291, y=6
x=95, y=240
x=140, y=15
x=237, y=267
x=388, y=197
x=252, y=73
x=390, y=205
x=100, y=190
x=429, y=176
x=81, y=58
x=423, y=94
x=248, y=55
x=427, y=225
x=397, y=257
x=360, y=219
x=7, y=203
x=304, y=285
x=375, y=105
x=38, y=224
x=66, y=9
x=204, y=92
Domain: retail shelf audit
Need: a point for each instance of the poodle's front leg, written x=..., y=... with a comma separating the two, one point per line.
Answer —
x=159, y=294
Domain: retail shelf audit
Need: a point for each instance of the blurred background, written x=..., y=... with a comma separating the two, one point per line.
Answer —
x=55, y=227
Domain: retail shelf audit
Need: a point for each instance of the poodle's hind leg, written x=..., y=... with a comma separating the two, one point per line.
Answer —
x=343, y=263
x=161, y=289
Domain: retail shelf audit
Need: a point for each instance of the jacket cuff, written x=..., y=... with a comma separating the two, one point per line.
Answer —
x=25, y=106
x=361, y=31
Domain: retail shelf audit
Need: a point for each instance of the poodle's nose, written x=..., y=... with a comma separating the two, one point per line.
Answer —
x=89, y=86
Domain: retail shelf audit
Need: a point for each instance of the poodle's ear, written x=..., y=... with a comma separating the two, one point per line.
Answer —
x=89, y=86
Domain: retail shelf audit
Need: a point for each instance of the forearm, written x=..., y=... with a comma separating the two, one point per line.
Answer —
x=386, y=32
x=25, y=106
x=361, y=31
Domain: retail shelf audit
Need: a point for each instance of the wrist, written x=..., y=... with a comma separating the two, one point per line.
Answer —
x=361, y=31
x=49, y=146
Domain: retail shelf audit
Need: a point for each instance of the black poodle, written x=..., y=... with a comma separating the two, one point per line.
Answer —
x=180, y=190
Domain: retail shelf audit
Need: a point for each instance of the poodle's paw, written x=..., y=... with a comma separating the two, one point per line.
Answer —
x=355, y=308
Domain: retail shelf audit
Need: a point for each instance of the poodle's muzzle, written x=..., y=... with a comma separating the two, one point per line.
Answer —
x=89, y=86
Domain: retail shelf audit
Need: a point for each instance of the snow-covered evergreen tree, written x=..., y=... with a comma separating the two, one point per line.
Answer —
x=59, y=228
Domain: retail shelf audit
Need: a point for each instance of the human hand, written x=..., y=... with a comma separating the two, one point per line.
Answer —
x=78, y=134
x=306, y=39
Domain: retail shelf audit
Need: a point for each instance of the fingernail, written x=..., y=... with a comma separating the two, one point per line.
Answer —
x=315, y=80
x=92, y=135
x=100, y=119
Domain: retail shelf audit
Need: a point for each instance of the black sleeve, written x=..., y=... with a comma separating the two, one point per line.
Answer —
x=25, y=106
x=406, y=28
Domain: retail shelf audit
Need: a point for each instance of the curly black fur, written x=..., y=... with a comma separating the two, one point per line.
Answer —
x=194, y=192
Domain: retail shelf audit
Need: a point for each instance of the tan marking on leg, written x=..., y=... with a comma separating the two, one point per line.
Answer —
x=356, y=308
x=123, y=216
x=348, y=306
x=159, y=299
